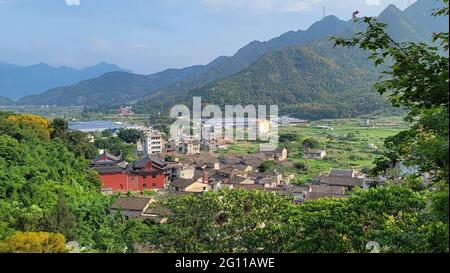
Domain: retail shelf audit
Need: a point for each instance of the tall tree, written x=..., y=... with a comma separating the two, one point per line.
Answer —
x=61, y=220
x=416, y=78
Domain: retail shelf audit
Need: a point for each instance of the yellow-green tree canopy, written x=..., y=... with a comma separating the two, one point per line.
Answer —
x=34, y=242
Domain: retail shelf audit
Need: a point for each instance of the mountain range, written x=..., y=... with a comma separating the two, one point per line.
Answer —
x=19, y=81
x=298, y=70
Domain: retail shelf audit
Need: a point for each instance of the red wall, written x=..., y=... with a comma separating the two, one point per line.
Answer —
x=121, y=182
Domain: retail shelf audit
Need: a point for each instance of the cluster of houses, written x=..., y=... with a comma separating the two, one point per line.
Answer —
x=180, y=174
x=335, y=184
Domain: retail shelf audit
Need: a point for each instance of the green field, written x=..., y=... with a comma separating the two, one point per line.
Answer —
x=358, y=152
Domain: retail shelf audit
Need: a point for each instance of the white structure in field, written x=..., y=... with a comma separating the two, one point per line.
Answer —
x=153, y=142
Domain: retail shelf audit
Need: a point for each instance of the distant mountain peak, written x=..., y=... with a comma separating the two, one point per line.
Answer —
x=391, y=9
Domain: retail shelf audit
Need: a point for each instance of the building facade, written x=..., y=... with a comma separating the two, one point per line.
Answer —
x=117, y=176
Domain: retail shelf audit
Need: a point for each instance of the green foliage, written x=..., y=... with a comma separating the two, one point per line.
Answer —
x=312, y=143
x=254, y=221
x=33, y=242
x=267, y=166
x=416, y=80
x=61, y=219
x=130, y=135
x=44, y=187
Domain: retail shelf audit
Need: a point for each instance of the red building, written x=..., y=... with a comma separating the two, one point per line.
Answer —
x=147, y=174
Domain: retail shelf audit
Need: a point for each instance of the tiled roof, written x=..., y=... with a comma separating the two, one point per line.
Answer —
x=108, y=169
x=342, y=173
x=131, y=203
x=341, y=181
x=108, y=155
x=182, y=183
x=141, y=163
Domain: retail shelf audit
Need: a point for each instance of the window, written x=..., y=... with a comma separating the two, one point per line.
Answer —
x=154, y=176
x=145, y=177
x=145, y=185
x=153, y=184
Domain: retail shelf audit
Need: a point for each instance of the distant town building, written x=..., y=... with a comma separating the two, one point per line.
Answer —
x=344, y=178
x=280, y=154
x=140, y=148
x=316, y=154
x=91, y=138
x=153, y=142
x=189, y=147
x=365, y=122
x=126, y=111
x=325, y=127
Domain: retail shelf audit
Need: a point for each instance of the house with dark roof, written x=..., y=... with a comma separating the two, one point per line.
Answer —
x=316, y=154
x=343, y=178
x=188, y=186
x=280, y=154
x=131, y=207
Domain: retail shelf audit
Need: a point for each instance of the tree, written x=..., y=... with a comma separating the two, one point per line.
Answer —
x=113, y=145
x=34, y=242
x=417, y=80
x=107, y=133
x=301, y=167
x=130, y=135
x=60, y=127
x=289, y=137
x=61, y=220
x=268, y=165
x=311, y=143
x=38, y=125
x=226, y=221
x=351, y=137
x=78, y=143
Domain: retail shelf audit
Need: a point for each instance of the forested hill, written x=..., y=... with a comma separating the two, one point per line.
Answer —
x=314, y=80
x=110, y=88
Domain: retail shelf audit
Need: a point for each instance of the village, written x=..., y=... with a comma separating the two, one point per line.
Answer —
x=182, y=166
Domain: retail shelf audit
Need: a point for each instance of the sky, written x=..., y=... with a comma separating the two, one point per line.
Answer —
x=148, y=36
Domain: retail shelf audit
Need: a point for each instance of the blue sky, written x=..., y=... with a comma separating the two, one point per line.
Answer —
x=151, y=35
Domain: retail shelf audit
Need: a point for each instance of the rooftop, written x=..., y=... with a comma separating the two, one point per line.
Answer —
x=131, y=203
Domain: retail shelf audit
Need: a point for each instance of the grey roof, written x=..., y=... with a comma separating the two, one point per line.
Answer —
x=108, y=169
x=241, y=167
x=327, y=189
x=182, y=183
x=341, y=181
x=131, y=203
x=314, y=151
x=237, y=180
x=342, y=173
x=108, y=155
x=141, y=163
x=158, y=209
x=318, y=195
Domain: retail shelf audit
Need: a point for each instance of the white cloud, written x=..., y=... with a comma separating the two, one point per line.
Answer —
x=260, y=5
x=373, y=2
x=73, y=2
